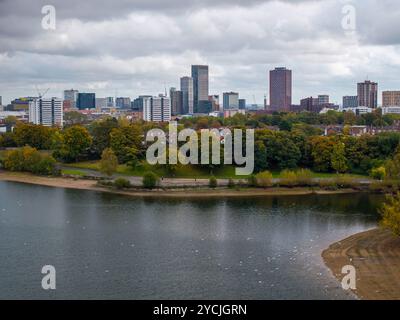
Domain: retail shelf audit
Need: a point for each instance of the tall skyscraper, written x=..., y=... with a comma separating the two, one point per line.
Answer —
x=187, y=95
x=157, y=109
x=86, y=101
x=200, y=88
x=367, y=93
x=389, y=98
x=47, y=112
x=350, y=102
x=71, y=98
x=231, y=100
x=280, y=89
x=176, y=101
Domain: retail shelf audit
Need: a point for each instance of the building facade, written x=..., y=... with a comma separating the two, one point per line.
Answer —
x=123, y=102
x=187, y=95
x=390, y=98
x=350, y=102
x=71, y=98
x=200, y=88
x=157, y=109
x=323, y=99
x=280, y=89
x=46, y=112
x=231, y=100
x=176, y=101
x=214, y=99
x=367, y=93
x=242, y=104
x=86, y=101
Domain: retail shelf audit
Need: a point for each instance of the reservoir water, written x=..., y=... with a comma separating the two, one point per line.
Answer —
x=106, y=246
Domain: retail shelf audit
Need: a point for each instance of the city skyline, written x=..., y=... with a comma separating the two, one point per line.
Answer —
x=81, y=53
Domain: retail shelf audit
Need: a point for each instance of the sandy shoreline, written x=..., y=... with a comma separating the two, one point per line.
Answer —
x=82, y=184
x=376, y=256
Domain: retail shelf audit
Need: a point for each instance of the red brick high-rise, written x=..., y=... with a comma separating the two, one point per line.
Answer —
x=280, y=89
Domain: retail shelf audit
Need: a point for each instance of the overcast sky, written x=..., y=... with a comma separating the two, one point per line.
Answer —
x=127, y=48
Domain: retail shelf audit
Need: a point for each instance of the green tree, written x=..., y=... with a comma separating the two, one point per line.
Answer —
x=150, y=180
x=125, y=142
x=75, y=144
x=321, y=151
x=100, y=132
x=391, y=214
x=36, y=136
x=108, y=162
x=338, y=158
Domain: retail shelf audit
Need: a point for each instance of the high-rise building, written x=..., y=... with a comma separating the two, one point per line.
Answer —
x=230, y=100
x=157, y=109
x=214, y=99
x=280, y=89
x=200, y=88
x=101, y=103
x=242, y=104
x=350, y=102
x=323, y=99
x=46, y=112
x=310, y=104
x=390, y=98
x=123, y=102
x=138, y=103
x=187, y=95
x=110, y=102
x=176, y=101
x=86, y=101
x=367, y=93
x=71, y=98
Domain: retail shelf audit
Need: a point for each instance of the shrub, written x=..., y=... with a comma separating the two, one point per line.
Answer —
x=264, y=179
x=213, y=183
x=378, y=173
x=122, y=183
x=391, y=214
x=46, y=166
x=252, y=181
x=288, y=179
x=328, y=184
x=30, y=160
x=108, y=162
x=346, y=182
x=304, y=177
x=386, y=186
x=150, y=180
x=231, y=184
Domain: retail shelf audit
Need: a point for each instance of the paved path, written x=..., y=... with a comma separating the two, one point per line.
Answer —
x=182, y=182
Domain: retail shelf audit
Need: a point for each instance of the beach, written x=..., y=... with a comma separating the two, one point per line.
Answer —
x=86, y=184
x=376, y=256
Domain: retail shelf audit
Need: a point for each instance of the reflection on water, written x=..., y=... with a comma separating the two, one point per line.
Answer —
x=110, y=246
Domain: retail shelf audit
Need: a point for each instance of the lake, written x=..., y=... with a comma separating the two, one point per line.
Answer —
x=107, y=246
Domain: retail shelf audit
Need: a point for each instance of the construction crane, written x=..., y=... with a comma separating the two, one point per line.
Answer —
x=41, y=95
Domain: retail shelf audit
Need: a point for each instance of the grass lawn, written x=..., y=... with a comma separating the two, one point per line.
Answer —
x=198, y=172
x=72, y=172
